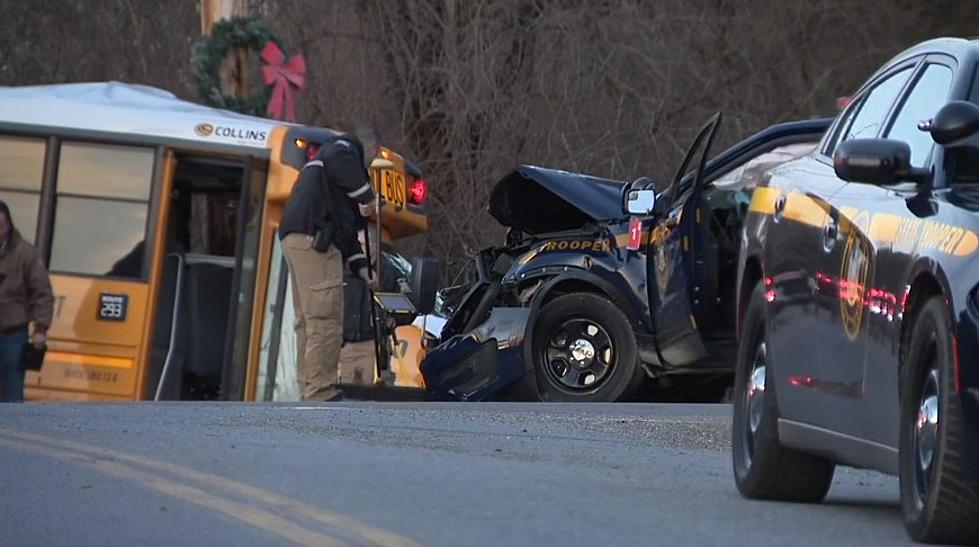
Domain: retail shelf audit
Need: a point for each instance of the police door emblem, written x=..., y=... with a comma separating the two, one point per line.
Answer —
x=854, y=275
x=664, y=267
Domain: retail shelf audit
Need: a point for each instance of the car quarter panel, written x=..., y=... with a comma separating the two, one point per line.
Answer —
x=915, y=240
x=868, y=274
x=960, y=270
x=794, y=204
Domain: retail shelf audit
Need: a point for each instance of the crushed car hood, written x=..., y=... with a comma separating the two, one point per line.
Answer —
x=537, y=200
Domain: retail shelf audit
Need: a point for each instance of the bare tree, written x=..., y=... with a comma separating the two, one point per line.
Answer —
x=470, y=88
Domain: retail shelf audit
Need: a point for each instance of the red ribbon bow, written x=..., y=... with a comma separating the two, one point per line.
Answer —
x=283, y=77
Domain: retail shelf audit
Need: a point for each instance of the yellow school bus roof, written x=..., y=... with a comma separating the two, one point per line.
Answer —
x=131, y=109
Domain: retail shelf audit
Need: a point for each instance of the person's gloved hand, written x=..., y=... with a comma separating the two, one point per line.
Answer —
x=366, y=275
x=39, y=339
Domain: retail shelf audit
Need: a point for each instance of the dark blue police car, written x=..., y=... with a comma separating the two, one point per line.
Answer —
x=603, y=284
x=859, y=301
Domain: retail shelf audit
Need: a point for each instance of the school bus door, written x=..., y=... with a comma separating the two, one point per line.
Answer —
x=208, y=277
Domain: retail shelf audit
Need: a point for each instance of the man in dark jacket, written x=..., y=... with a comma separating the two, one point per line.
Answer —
x=319, y=235
x=25, y=299
x=358, y=354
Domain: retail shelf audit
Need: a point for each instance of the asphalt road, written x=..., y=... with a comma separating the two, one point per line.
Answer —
x=402, y=474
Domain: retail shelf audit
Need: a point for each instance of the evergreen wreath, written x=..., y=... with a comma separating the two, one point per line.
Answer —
x=210, y=52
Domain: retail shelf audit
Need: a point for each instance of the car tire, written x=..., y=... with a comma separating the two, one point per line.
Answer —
x=763, y=469
x=598, y=332
x=938, y=505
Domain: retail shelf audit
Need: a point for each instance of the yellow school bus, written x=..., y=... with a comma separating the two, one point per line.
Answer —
x=157, y=218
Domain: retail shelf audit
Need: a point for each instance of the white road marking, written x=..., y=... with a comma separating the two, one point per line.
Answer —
x=322, y=408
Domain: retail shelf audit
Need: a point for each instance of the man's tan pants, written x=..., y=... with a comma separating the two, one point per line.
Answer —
x=317, y=295
x=357, y=363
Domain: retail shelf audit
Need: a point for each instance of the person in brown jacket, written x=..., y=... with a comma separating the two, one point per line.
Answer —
x=25, y=299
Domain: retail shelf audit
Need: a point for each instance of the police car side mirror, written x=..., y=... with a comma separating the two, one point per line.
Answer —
x=639, y=197
x=877, y=161
x=956, y=120
x=424, y=284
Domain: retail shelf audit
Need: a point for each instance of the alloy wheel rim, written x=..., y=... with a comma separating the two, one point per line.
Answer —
x=754, y=401
x=925, y=427
x=579, y=355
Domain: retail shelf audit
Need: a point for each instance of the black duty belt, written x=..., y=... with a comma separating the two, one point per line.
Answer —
x=12, y=330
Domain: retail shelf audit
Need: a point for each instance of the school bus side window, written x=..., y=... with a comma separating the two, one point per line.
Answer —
x=103, y=194
x=21, y=175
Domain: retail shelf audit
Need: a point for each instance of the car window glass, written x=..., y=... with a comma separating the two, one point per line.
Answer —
x=840, y=127
x=101, y=211
x=21, y=174
x=103, y=170
x=927, y=96
x=24, y=208
x=99, y=237
x=874, y=107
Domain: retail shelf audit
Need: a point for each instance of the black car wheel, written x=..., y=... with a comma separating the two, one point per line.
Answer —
x=763, y=469
x=584, y=350
x=938, y=505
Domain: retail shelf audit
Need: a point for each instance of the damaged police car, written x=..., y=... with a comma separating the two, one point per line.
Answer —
x=602, y=283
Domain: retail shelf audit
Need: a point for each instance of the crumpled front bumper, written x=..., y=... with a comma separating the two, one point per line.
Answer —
x=479, y=364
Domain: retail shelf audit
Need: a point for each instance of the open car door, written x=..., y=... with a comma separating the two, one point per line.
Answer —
x=676, y=258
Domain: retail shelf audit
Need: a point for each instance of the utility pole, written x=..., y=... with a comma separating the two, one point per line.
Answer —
x=215, y=10
x=236, y=69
